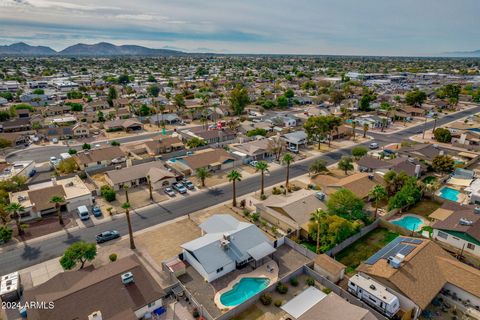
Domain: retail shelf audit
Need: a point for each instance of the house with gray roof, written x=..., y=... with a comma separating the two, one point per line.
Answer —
x=295, y=139
x=226, y=244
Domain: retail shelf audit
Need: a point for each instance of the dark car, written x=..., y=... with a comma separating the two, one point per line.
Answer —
x=188, y=184
x=97, y=212
x=107, y=236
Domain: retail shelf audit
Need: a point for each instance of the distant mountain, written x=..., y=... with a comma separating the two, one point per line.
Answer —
x=475, y=53
x=26, y=50
x=108, y=49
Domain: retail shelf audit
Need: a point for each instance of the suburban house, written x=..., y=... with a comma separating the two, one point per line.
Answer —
x=60, y=133
x=253, y=150
x=458, y=227
x=81, y=130
x=18, y=168
x=15, y=125
x=423, y=151
x=138, y=175
x=36, y=200
x=226, y=244
x=16, y=138
x=402, y=266
x=314, y=304
x=99, y=158
x=166, y=118
x=210, y=159
x=413, y=111
x=127, y=125
x=123, y=289
x=359, y=183
x=295, y=140
x=410, y=166
x=372, y=121
x=291, y=212
x=210, y=136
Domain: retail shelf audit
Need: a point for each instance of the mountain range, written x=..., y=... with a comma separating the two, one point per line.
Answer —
x=80, y=49
x=474, y=54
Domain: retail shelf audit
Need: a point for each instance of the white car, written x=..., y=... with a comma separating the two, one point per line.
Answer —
x=253, y=163
x=373, y=146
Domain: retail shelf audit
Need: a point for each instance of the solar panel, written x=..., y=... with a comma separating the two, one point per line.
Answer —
x=380, y=253
x=411, y=240
x=394, y=247
x=407, y=249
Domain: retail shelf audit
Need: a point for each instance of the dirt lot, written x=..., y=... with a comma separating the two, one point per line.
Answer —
x=164, y=242
x=214, y=180
x=47, y=225
x=138, y=198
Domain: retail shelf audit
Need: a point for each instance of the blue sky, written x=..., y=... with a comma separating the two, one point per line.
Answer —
x=367, y=27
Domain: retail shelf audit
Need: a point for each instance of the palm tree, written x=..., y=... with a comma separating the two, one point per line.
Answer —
x=365, y=129
x=435, y=117
x=14, y=209
x=4, y=214
x=262, y=166
x=378, y=193
x=161, y=110
x=317, y=218
x=287, y=160
x=125, y=187
x=233, y=177
x=126, y=206
x=150, y=187
x=354, y=126
x=57, y=200
x=202, y=174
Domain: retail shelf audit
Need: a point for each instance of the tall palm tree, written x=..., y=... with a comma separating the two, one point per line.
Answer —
x=149, y=181
x=317, y=218
x=262, y=166
x=125, y=187
x=202, y=174
x=233, y=177
x=161, y=110
x=14, y=209
x=378, y=193
x=58, y=200
x=435, y=117
x=354, y=126
x=287, y=160
x=126, y=206
x=365, y=129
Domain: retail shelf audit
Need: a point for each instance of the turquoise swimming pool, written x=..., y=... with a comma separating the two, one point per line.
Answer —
x=449, y=194
x=243, y=290
x=409, y=222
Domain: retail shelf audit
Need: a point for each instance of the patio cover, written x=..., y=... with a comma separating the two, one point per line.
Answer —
x=460, y=182
x=440, y=214
x=467, y=155
x=303, y=302
x=261, y=251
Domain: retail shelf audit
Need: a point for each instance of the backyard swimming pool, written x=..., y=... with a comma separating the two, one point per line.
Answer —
x=449, y=194
x=409, y=222
x=243, y=290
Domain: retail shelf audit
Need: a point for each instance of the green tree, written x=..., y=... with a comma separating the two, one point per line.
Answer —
x=449, y=91
x=6, y=234
x=86, y=146
x=365, y=129
x=195, y=142
x=72, y=151
x=233, y=177
x=377, y=194
x=239, y=99
x=123, y=79
x=112, y=95
x=316, y=128
x=345, y=164
x=108, y=193
x=346, y=204
x=289, y=93
x=443, y=164
x=287, y=160
x=126, y=207
x=262, y=166
x=15, y=209
x=153, y=90
x=317, y=217
x=257, y=132
x=415, y=97
x=4, y=143
x=318, y=166
x=179, y=101
x=202, y=174
x=79, y=252
x=407, y=196
x=443, y=135
x=282, y=101
x=68, y=165
x=114, y=143
x=359, y=151
x=58, y=201
x=4, y=116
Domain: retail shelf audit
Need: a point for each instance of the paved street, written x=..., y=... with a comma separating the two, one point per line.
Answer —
x=23, y=257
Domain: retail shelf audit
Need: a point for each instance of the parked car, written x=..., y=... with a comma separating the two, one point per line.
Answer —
x=373, y=145
x=32, y=173
x=107, y=236
x=188, y=184
x=180, y=188
x=97, y=212
x=83, y=213
x=253, y=163
x=292, y=149
x=170, y=192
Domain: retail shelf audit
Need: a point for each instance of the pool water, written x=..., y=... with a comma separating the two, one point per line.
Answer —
x=449, y=194
x=243, y=290
x=409, y=222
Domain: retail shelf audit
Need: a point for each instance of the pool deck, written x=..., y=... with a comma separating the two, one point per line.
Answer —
x=425, y=222
x=260, y=272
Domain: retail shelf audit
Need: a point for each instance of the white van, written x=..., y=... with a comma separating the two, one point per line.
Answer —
x=83, y=213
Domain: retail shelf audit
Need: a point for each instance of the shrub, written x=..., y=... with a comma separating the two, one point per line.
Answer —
x=108, y=193
x=243, y=203
x=326, y=290
x=263, y=197
x=278, y=303
x=310, y=281
x=266, y=299
x=5, y=234
x=294, y=282
x=113, y=257
x=246, y=212
x=276, y=191
x=255, y=217
x=195, y=313
x=281, y=288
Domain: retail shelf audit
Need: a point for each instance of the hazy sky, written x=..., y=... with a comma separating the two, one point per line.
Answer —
x=372, y=27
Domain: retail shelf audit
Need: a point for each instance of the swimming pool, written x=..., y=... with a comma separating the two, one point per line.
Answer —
x=409, y=222
x=449, y=194
x=243, y=290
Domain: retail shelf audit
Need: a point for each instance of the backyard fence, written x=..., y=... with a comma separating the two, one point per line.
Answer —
x=300, y=249
x=347, y=242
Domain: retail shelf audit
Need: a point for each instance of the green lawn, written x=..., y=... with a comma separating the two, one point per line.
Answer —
x=364, y=247
x=424, y=208
x=251, y=313
x=429, y=179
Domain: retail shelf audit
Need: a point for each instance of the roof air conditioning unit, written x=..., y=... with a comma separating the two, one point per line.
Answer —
x=97, y=315
x=465, y=222
x=127, y=278
x=394, y=262
x=476, y=210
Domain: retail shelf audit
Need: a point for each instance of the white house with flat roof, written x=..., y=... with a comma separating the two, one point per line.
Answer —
x=226, y=244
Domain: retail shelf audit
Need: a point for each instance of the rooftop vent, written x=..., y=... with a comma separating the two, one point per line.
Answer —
x=224, y=244
x=127, y=278
x=373, y=287
x=476, y=210
x=97, y=315
x=465, y=222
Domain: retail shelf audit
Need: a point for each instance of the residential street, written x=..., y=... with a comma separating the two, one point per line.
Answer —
x=26, y=256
